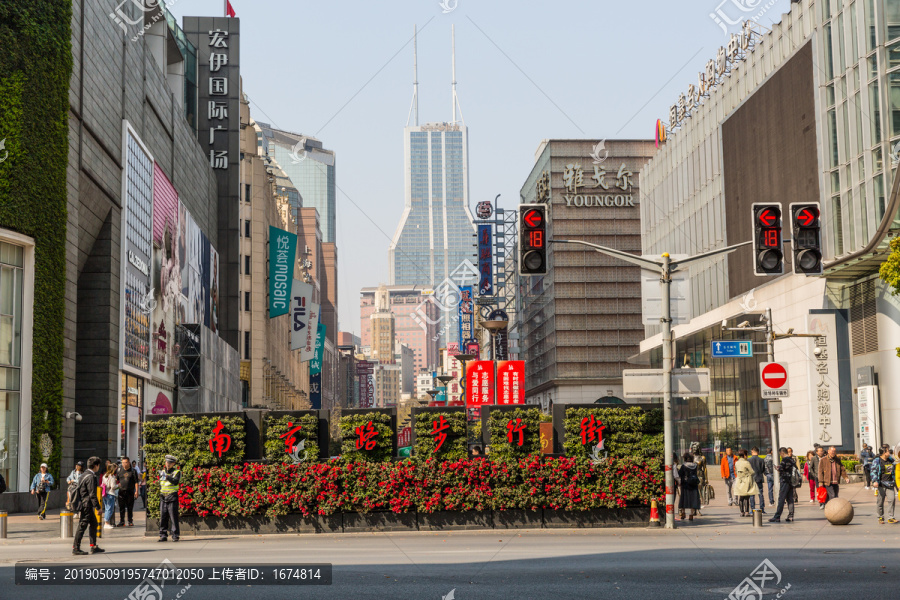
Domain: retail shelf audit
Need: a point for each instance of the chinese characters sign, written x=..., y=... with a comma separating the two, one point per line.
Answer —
x=466, y=313
x=365, y=373
x=480, y=383
x=824, y=381
x=511, y=382
x=485, y=260
x=439, y=427
x=282, y=256
x=608, y=186
x=592, y=431
x=366, y=435
x=220, y=441
x=515, y=427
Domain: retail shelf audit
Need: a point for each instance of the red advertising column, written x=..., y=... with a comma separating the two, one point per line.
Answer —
x=480, y=383
x=511, y=382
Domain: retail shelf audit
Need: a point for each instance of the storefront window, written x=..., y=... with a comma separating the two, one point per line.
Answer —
x=11, y=281
x=132, y=415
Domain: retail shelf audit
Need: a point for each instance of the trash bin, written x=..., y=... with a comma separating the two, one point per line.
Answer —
x=65, y=525
x=3, y=519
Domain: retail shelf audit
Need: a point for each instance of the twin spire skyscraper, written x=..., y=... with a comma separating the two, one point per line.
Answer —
x=434, y=237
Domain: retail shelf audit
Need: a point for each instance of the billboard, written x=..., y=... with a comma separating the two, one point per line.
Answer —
x=511, y=382
x=466, y=313
x=301, y=304
x=282, y=256
x=480, y=383
x=485, y=260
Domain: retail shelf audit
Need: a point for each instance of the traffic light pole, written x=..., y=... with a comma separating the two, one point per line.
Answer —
x=665, y=266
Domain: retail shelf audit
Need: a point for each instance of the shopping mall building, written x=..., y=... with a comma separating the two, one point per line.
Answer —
x=806, y=112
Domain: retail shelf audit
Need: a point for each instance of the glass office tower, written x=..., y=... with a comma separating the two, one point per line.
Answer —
x=434, y=236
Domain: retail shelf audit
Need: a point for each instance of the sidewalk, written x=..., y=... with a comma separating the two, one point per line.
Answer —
x=22, y=527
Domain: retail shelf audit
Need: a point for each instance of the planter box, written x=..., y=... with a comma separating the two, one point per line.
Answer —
x=455, y=520
x=379, y=521
x=256, y=525
x=24, y=502
x=518, y=519
x=638, y=516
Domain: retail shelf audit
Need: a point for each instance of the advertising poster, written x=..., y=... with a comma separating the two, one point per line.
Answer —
x=511, y=382
x=480, y=383
x=466, y=313
x=485, y=260
x=300, y=304
x=282, y=256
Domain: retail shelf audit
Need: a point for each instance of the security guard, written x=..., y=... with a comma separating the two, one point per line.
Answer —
x=169, y=478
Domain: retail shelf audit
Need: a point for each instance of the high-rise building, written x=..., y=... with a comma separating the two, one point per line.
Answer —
x=311, y=168
x=434, y=236
x=382, y=328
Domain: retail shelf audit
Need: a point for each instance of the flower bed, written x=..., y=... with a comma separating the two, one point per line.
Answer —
x=428, y=486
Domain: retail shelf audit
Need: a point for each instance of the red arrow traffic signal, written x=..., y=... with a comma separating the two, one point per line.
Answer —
x=806, y=217
x=768, y=217
x=533, y=218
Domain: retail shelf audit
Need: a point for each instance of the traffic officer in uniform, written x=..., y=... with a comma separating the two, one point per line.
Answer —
x=169, y=479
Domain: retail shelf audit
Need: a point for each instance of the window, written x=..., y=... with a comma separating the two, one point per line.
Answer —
x=247, y=193
x=11, y=312
x=247, y=264
x=246, y=345
x=247, y=229
x=246, y=301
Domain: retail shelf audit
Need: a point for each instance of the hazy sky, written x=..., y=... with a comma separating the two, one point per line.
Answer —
x=342, y=71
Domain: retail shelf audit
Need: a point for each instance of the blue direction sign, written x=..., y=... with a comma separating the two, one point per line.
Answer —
x=732, y=348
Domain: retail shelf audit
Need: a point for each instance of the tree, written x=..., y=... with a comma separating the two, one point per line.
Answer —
x=890, y=270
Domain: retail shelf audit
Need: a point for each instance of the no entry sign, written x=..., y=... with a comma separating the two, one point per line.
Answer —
x=773, y=380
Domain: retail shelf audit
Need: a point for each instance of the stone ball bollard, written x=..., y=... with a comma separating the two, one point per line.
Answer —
x=839, y=511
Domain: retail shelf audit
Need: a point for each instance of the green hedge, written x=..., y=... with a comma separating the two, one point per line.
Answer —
x=454, y=447
x=501, y=448
x=35, y=68
x=628, y=432
x=384, y=441
x=187, y=439
x=275, y=447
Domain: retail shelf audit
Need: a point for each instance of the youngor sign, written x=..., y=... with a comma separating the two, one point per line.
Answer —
x=282, y=256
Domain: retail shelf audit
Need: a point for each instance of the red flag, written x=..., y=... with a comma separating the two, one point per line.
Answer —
x=229, y=10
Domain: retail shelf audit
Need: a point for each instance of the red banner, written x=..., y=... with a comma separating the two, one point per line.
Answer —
x=511, y=382
x=480, y=383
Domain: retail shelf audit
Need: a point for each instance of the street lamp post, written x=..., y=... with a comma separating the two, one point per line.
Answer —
x=665, y=266
x=494, y=327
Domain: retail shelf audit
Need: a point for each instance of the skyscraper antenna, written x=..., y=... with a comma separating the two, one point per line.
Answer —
x=414, y=107
x=453, y=82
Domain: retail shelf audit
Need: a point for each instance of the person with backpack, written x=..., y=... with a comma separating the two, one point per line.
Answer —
x=759, y=472
x=886, y=480
x=86, y=503
x=789, y=477
x=689, y=480
x=867, y=456
x=72, y=483
x=41, y=486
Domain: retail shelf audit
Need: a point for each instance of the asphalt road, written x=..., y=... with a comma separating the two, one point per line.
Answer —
x=707, y=558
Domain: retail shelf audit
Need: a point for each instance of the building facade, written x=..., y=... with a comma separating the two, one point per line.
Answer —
x=581, y=321
x=819, y=93
x=417, y=322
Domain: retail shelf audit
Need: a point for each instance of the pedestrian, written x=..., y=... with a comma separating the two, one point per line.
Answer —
x=759, y=475
x=814, y=468
x=72, y=483
x=770, y=475
x=169, y=480
x=886, y=479
x=689, y=482
x=791, y=454
x=745, y=482
x=128, y=491
x=728, y=474
x=831, y=471
x=110, y=487
x=809, y=473
x=41, y=486
x=142, y=485
x=785, y=485
x=476, y=451
x=88, y=506
x=866, y=456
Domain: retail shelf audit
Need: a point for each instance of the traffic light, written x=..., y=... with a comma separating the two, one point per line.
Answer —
x=767, y=242
x=532, y=239
x=807, y=238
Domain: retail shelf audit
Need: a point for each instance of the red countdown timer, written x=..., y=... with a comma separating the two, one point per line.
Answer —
x=536, y=239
